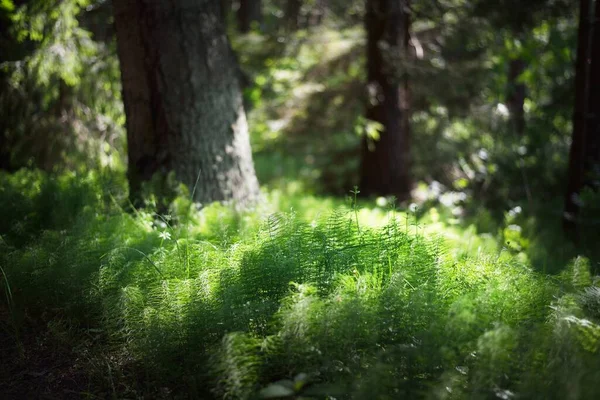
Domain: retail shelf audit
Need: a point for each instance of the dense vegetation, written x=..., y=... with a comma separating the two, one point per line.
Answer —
x=467, y=289
x=224, y=303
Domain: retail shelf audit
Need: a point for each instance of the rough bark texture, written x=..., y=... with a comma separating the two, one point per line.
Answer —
x=182, y=99
x=577, y=152
x=249, y=13
x=386, y=162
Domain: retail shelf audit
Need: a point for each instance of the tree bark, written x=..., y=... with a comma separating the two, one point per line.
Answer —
x=249, y=13
x=182, y=99
x=385, y=168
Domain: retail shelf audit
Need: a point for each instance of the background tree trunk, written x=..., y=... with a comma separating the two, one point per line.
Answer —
x=4, y=152
x=248, y=13
x=182, y=99
x=386, y=162
x=577, y=152
x=292, y=14
x=592, y=123
x=515, y=98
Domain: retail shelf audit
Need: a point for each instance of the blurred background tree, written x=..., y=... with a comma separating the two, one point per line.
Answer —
x=584, y=157
x=385, y=162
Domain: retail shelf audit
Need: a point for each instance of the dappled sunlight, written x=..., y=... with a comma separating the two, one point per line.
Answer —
x=314, y=289
x=299, y=199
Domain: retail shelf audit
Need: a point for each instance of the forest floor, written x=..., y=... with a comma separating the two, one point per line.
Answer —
x=299, y=297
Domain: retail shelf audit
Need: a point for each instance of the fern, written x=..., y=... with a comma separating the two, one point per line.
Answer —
x=234, y=303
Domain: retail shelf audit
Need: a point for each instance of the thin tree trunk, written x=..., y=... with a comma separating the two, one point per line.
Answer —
x=4, y=152
x=292, y=14
x=314, y=16
x=249, y=13
x=516, y=96
x=592, y=123
x=577, y=152
x=385, y=168
x=182, y=99
x=5, y=146
x=317, y=13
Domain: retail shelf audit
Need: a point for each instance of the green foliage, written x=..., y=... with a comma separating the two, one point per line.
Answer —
x=60, y=89
x=574, y=348
x=308, y=101
x=306, y=106
x=292, y=299
x=244, y=305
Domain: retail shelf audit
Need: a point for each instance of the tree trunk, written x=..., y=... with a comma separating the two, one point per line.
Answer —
x=313, y=16
x=5, y=164
x=317, y=13
x=515, y=98
x=577, y=153
x=292, y=14
x=182, y=99
x=386, y=162
x=592, y=123
x=249, y=13
x=5, y=145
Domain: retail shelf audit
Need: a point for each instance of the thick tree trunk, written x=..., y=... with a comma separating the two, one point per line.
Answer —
x=249, y=13
x=515, y=97
x=386, y=162
x=182, y=99
x=577, y=153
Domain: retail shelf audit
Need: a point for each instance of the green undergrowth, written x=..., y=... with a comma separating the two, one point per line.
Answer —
x=346, y=303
